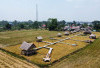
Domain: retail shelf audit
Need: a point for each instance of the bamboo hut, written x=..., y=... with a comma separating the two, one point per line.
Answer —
x=28, y=49
x=87, y=31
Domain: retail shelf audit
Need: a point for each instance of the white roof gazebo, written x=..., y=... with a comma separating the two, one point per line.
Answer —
x=59, y=34
x=66, y=33
x=39, y=39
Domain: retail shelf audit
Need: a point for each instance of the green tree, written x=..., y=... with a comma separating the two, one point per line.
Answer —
x=96, y=25
x=8, y=26
x=75, y=23
x=35, y=25
x=84, y=25
x=52, y=24
x=21, y=26
x=61, y=25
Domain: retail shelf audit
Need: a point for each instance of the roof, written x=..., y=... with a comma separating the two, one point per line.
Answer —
x=27, y=46
x=39, y=37
x=92, y=35
x=75, y=27
x=59, y=34
x=66, y=32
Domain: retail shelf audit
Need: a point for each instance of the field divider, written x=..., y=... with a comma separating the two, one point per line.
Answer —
x=60, y=40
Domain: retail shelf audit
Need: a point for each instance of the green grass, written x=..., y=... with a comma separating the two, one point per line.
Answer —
x=89, y=57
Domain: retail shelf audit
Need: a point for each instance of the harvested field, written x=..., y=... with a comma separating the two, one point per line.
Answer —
x=9, y=38
x=59, y=50
x=7, y=61
x=88, y=57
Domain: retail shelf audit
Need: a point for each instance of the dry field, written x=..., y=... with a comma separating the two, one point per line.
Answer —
x=86, y=58
x=7, y=61
x=9, y=38
x=59, y=50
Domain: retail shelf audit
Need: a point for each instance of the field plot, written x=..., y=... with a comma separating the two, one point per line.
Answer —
x=7, y=61
x=59, y=50
x=88, y=57
x=9, y=38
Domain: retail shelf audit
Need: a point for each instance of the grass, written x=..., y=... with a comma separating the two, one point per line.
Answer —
x=59, y=50
x=89, y=57
x=9, y=38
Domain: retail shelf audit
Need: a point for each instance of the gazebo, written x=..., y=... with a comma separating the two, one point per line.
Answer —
x=92, y=36
x=59, y=34
x=66, y=33
x=39, y=39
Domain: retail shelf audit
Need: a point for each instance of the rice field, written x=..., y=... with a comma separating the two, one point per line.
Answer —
x=88, y=57
x=11, y=38
x=7, y=61
x=59, y=50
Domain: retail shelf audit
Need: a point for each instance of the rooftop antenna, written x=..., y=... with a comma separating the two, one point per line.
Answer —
x=36, y=12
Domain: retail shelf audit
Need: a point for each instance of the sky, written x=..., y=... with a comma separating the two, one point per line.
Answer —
x=69, y=10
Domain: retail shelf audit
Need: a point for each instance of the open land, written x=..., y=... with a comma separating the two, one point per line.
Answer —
x=15, y=39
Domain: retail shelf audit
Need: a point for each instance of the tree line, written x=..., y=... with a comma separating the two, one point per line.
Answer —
x=52, y=24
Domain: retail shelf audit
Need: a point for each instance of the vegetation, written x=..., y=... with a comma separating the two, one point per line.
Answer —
x=89, y=57
x=17, y=37
x=59, y=50
x=52, y=24
x=96, y=25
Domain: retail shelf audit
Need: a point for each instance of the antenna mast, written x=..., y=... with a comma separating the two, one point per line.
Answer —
x=36, y=12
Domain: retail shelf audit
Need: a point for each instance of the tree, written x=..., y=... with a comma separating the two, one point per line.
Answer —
x=84, y=25
x=35, y=25
x=21, y=26
x=8, y=26
x=61, y=25
x=96, y=25
x=74, y=22
x=52, y=24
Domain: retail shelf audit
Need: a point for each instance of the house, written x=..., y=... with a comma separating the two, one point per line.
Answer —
x=28, y=48
x=39, y=39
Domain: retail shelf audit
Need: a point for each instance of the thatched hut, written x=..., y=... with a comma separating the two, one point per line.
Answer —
x=87, y=31
x=92, y=36
x=39, y=39
x=28, y=48
x=59, y=34
x=66, y=33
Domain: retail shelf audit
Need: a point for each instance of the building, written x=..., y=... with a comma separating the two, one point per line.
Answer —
x=92, y=36
x=39, y=39
x=66, y=33
x=59, y=34
x=28, y=49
